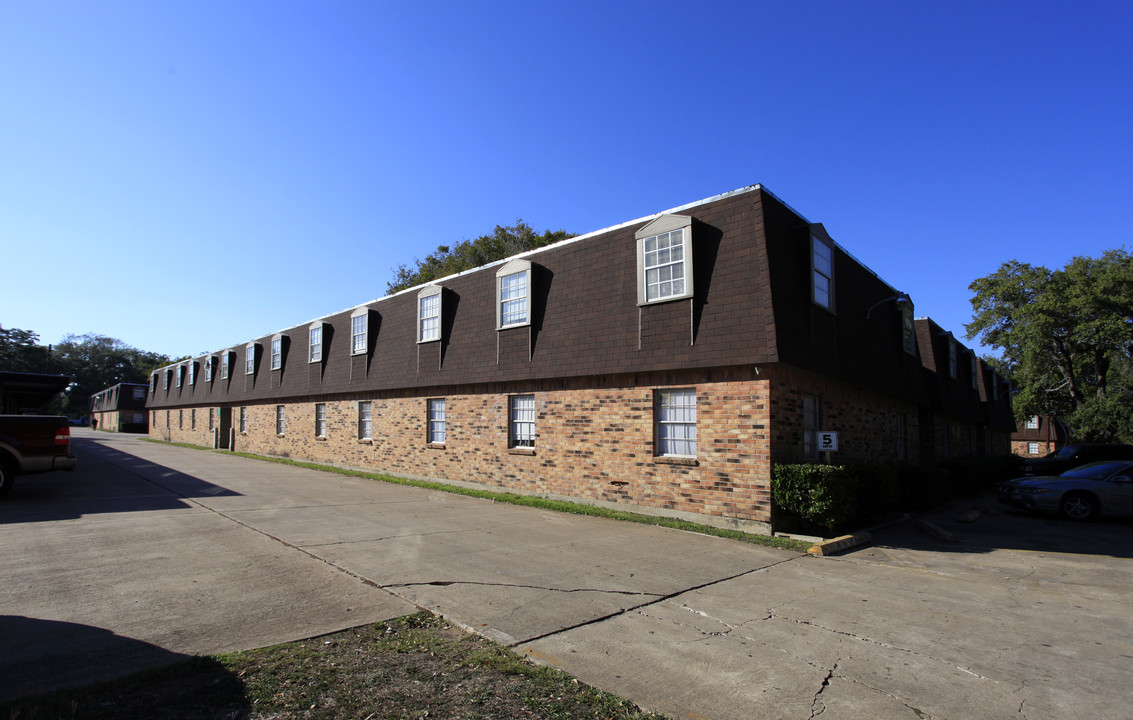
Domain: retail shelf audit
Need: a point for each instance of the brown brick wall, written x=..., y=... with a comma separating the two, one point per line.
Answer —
x=593, y=443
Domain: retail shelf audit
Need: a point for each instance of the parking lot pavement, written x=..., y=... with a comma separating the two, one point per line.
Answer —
x=1022, y=617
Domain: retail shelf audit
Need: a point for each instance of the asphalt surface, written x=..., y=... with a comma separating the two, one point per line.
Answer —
x=148, y=553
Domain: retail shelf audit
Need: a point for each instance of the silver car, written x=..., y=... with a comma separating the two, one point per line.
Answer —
x=1100, y=488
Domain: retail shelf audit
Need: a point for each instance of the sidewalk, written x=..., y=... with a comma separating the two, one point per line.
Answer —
x=199, y=552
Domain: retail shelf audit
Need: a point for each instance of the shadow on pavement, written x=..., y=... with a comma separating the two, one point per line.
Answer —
x=106, y=480
x=981, y=525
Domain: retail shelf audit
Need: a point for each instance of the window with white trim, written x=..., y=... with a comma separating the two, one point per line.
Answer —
x=365, y=420
x=436, y=430
x=179, y=375
x=822, y=272
x=243, y=419
x=193, y=419
x=521, y=421
x=513, y=293
x=153, y=384
x=225, y=361
x=1032, y=422
x=277, y=352
x=1032, y=448
x=359, y=321
x=320, y=419
x=315, y=343
x=676, y=422
x=664, y=259
x=208, y=369
x=165, y=382
x=280, y=420
x=250, y=359
x=429, y=314
x=192, y=373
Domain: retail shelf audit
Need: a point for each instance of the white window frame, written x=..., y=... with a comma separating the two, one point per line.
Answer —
x=167, y=375
x=244, y=419
x=429, y=314
x=178, y=374
x=437, y=421
x=209, y=369
x=521, y=422
x=250, y=359
x=1032, y=448
x=193, y=419
x=675, y=424
x=320, y=419
x=1032, y=423
x=315, y=342
x=676, y=230
x=365, y=420
x=360, y=331
x=277, y=352
x=513, y=300
x=280, y=420
x=225, y=365
x=192, y=379
x=822, y=272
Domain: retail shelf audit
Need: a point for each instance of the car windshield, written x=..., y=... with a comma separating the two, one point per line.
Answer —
x=1095, y=471
x=1064, y=453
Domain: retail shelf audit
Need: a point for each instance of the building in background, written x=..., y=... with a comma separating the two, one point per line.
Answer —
x=661, y=365
x=121, y=408
x=1040, y=435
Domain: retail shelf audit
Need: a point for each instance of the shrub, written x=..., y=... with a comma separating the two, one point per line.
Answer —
x=819, y=495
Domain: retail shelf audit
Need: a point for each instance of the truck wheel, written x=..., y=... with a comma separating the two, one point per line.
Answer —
x=7, y=476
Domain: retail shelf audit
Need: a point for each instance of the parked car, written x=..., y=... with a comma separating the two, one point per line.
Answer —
x=1100, y=488
x=1072, y=456
x=33, y=444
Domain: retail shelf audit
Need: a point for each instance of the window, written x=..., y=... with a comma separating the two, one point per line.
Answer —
x=139, y=393
x=521, y=421
x=212, y=419
x=664, y=259
x=1032, y=422
x=165, y=381
x=902, y=429
x=810, y=427
x=244, y=420
x=315, y=340
x=676, y=422
x=208, y=369
x=436, y=429
x=153, y=383
x=250, y=359
x=177, y=377
x=429, y=314
x=193, y=419
x=280, y=421
x=320, y=420
x=277, y=352
x=180, y=419
x=513, y=288
x=358, y=331
x=952, y=359
x=972, y=362
x=908, y=335
x=1032, y=448
x=365, y=421
x=224, y=366
x=822, y=264
x=192, y=373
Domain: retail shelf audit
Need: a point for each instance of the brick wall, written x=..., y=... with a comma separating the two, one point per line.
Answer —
x=594, y=442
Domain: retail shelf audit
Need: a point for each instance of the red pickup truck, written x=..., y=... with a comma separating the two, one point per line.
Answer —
x=33, y=444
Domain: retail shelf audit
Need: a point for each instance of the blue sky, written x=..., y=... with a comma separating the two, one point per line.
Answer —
x=185, y=176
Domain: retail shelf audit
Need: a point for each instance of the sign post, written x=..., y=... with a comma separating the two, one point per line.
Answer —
x=827, y=443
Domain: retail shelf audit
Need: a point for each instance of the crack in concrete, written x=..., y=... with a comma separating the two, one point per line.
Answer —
x=817, y=706
x=447, y=583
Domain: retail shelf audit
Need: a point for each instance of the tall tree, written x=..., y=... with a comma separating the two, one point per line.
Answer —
x=98, y=362
x=1067, y=337
x=501, y=243
x=20, y=351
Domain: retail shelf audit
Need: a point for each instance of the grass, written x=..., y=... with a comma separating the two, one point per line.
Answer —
x=531, y=501
x=414, y=667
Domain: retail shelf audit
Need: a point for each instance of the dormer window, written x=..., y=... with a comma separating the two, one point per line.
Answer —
x=225, y=362
x=277, y=352
x=664, y=260
x=952, y=358
x=315, y=340
x=250, y=359
x=358, y=331
x=429, y=314
x=513, y=293
x=822, y=272
x=908, y=334
x=192, y=373
x=208, y=369
x=972, y=359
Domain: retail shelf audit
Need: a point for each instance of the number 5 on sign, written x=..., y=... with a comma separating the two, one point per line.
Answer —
x=827, y=441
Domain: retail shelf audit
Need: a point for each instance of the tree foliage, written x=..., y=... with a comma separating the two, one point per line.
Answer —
x=445, y=260
x=1067, y=339
x=95, y=362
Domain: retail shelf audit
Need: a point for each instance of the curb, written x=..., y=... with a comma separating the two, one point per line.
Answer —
x=838, y=544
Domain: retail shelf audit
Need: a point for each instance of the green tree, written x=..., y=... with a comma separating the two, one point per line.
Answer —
x=20, y=351
x=1067, y=339
x=501, y=243
x=98, y=362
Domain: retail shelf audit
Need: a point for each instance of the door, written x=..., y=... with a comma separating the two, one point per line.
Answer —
x=223, y=428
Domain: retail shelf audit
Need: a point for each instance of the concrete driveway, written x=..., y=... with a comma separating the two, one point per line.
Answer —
x=150, y=552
